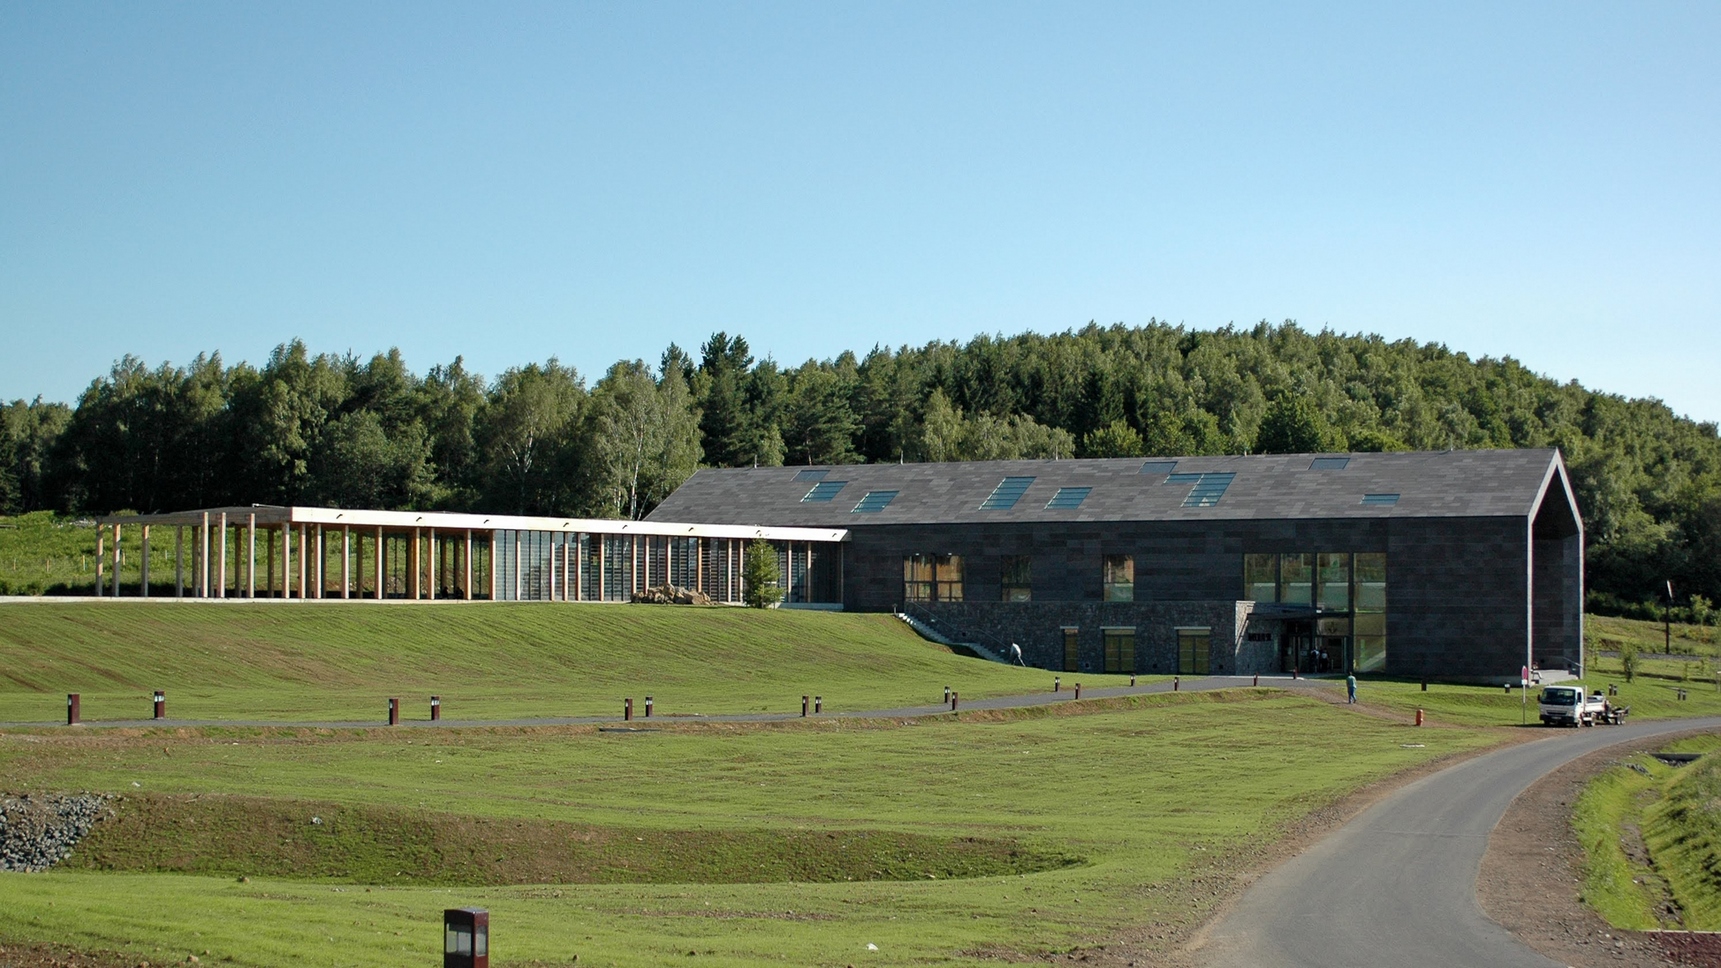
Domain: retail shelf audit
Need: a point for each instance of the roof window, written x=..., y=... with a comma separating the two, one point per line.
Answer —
x=1386, y=499
x=1068, y=498
x=1208, y=487
x=1329, y=463
x=1158, y=466
x=1006, y=494
x=823, y=491
x=874, y=502
x=811, y=475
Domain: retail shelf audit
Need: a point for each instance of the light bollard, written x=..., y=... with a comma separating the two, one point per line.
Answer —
x=394, y=711
x=1057, y=683
x=74, y=712
x=465, y=938
x=954, y=699
x=435, y=708
x=806, y=702
x=1176, y=683
x=1078, y=690
x=1419, y=717
x=160, y=704
x=648, y=707
x=946, y=693
x=1257, y=678
x=627, y=710
x=1132, y=682
x=818, y=705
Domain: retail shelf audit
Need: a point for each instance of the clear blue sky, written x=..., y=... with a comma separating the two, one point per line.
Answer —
x=514, y=182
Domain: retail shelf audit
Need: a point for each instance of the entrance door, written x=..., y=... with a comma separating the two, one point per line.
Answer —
x=1194, y=651
x=1296, y=642
x=1072, y=651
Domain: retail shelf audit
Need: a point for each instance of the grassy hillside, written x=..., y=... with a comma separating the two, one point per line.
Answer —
x=1161, y=799
x=331, y=661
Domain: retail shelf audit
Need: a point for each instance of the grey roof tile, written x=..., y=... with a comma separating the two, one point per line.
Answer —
x=1463, y=483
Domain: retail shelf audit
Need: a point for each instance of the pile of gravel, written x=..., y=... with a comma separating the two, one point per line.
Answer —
x=37, y=832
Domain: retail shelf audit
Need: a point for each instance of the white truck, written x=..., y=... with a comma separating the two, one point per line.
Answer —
x=1568, y=706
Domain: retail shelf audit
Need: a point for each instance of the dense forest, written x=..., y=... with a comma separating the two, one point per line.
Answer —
x=339, y=430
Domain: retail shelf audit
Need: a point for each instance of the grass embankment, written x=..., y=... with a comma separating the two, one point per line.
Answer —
x=1651, y=835
x=42, y=552
x=1163, y=797
x=339, y=662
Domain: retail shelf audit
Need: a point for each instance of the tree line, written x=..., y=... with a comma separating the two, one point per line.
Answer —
x=345, y=431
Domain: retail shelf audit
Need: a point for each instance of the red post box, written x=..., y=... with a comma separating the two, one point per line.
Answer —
x=435, y=708
x=73, y=714
x=465, y=938
x=394, y=711
x=160, y=704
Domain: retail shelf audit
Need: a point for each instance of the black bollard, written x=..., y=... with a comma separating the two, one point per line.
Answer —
x=435, y=708
x=394, y=711
x=160, y=704
x=627, y=710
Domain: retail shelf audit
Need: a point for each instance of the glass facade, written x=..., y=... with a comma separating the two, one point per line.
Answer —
x=917, y=578
x=1018, y=578
x=1119, y=578
x=1346, y=596
x=584, y=567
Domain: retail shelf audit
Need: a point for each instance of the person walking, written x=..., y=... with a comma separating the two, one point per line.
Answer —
x=1015, y=653
x=1350, y=688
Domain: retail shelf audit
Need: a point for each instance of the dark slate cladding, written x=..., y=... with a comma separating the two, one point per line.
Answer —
x=1467, y=483
x=1484, y=550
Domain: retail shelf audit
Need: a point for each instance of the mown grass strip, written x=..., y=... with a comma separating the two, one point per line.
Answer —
x=1613, y=881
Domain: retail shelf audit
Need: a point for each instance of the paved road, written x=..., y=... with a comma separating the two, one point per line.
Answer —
x=1397, y=885
x=1067, y=694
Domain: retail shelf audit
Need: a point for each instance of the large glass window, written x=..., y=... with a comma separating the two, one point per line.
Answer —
x=1296, y=579
x=1335, y=582
x=1018, y=584
x=1072, y=650
x=1368, y=625
x=1261, y=578
x=917, y=578
x=947, y=575
x=1119, y=649
x=1119, y=578
x=1194, y=651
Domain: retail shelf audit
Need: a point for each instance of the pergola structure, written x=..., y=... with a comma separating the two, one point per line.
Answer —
x=273, y=552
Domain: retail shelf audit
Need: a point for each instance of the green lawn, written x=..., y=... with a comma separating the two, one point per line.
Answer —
x=1159, y=796
x=313, y=661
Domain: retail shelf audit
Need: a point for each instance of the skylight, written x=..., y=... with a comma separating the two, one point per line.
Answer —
x=1209, y=487
x=1329, y=463
x=1158, y=466
x=1380, y=499
x=811, y=475
x=874, y=502
x=1068, y=498
x=823, y=491
x=1006, y=494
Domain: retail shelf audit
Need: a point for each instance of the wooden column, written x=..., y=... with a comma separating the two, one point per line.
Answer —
x=143, y=580
x=179, y=561
x=117, y=560
x=221, y=557
x=466, y=561
x=203, y=576
x=490, y=565
x=286, y=559
x=431, y=562
x=251, y=555
x=101, y=558
x=379, y=572
x=579, y=568
x=318, y=581
x=304, y=561
x=346, y=561
x=519, y=582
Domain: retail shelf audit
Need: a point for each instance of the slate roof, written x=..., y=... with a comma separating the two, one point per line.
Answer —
x=1463, y=483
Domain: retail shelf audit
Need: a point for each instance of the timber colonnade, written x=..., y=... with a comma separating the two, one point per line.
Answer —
x=273, y=552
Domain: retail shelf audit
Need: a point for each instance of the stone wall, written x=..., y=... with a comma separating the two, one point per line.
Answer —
x=1038, y=627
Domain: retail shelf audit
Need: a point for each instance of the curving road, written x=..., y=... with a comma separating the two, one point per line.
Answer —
x=1397, y=885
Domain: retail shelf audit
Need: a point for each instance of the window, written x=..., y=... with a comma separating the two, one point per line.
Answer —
x=1119, y=578
x=917, y=578
x=1072, y=650
x=1385, y=499
x=823, y=491
x=1194, y=651
x=1018, y=586
x=1334, y=587
x=1329, y=463
x=947, y=577
x=1006, y=494
x=1119, y=649
x=1296, y=579
x=811, y=475
x=1158, y=466
x=1261, y=578
x=1068, y=498
x=874, y=502
x=1208, y=487
x=1368, y=622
